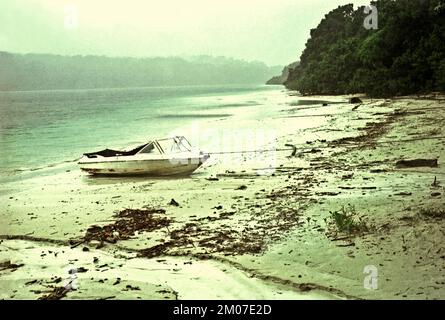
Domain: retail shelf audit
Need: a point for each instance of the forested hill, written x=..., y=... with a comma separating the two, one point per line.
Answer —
x=405, y=55
x=281, y=79
x=42, y=71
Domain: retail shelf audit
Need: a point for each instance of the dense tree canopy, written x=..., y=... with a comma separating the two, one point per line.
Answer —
x=405, y=55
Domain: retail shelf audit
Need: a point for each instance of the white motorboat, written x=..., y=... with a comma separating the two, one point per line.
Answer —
x=170, y=156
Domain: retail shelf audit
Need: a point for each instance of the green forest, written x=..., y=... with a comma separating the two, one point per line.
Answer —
x=47, y=71
x=404, y=55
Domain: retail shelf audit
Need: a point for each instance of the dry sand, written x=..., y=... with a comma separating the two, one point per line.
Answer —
x=241, y=234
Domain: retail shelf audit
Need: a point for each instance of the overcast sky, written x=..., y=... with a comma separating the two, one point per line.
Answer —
x=272, y=31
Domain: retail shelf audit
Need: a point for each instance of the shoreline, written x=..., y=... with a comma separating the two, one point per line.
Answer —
x=270, y=233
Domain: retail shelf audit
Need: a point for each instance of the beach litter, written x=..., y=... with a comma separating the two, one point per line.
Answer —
x=7, y=265
x=173, y=202
x=417, y=163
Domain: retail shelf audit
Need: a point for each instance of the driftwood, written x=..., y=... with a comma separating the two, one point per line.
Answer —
x=416, y=163
x=349, y=244
x=355, y=100
x=173, y=202
x=56, y=294
x=294, y=149
x=8, y=265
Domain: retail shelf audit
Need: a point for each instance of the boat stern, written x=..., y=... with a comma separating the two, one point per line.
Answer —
x=203, y=157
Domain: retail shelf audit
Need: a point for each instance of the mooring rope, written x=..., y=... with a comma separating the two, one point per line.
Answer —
x=294, y=147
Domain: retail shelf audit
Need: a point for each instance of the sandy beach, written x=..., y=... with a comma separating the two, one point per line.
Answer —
x=244, y=228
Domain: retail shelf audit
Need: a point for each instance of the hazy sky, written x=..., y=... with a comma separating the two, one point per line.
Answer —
x=272, y=31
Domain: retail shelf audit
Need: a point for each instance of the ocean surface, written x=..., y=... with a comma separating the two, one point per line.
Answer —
x=47, y=129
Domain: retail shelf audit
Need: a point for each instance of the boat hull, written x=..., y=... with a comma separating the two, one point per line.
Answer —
x=161, y=167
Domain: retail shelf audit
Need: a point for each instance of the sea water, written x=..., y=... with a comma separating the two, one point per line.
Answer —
x=45, y=129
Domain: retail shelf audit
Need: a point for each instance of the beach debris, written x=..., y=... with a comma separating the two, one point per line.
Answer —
x=173, y=203
x=347, y=244
x=347, y=176
x=294, y=149
x=404, y=193
x=81, y=270
x=355, y=100
x=129, y=221
x=130, y=287
x=206, y=239
x=57, y=279
x=416, y=163
x=203, y=236
x=432, y=213
x=224, y=215
x=31, y=282
x=56, y=294
x=327, y=193
x=8, y=265
x=435, y=183
x=156, y=250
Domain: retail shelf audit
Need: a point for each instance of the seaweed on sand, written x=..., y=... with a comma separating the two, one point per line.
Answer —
x=432, y=213
x=56, y=294
x=129, y=221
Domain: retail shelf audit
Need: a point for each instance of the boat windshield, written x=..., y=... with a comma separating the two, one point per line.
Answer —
x=166, y=146
x=174, y=145
x=149, y=148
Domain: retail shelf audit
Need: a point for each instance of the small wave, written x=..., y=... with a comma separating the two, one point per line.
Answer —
x=230, y=105
x=312, y=102
x=196, y=115
x=242, y=104
x=47, y=166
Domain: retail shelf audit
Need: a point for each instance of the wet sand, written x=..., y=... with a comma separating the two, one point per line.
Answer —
x=240, y=232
